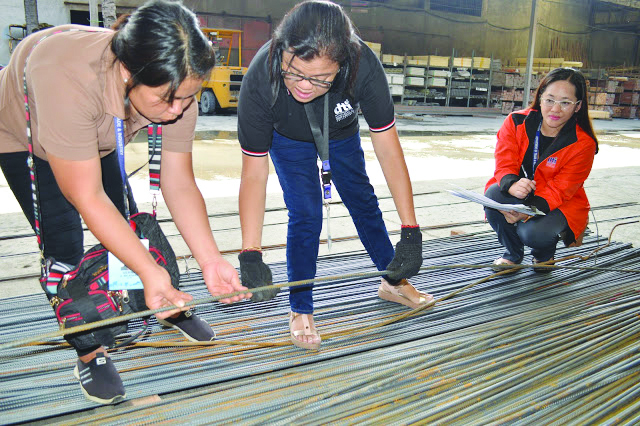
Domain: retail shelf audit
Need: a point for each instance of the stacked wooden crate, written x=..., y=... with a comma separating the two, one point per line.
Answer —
x=430, y=61
x=602, y=95
x=629, y=99
x=438, y=77
x=475, y=62
x=511, y=86
x=620, y=96
x=392, y=59
x=376, y=47
x=414, y=76
x=396, y=82
x=545, y=65
x=395, y=78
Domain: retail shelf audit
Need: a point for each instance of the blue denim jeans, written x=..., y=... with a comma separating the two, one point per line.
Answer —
x=296, y=165
x=541, y=233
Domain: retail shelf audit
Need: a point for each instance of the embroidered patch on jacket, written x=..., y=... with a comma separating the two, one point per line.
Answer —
x=551, y=162
x=343, y=110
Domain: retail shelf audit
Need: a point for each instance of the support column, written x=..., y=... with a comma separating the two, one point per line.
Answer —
x=532, y=44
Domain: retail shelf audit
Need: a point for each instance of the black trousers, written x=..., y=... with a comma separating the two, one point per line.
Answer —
x=541, y=233
x=61, y=225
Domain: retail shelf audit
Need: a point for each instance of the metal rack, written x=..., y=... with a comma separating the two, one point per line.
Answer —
x=470, y=84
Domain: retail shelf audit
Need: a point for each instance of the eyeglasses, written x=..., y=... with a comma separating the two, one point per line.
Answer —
x=297, y=77
x=564, y=105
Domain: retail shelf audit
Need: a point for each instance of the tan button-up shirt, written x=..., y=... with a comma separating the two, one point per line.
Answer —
x=75, y=89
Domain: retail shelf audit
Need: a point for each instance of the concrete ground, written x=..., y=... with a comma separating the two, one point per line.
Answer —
x=612, y=191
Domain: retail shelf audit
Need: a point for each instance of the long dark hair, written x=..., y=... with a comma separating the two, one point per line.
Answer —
x=577, y=79
x=316, y=28
x=161, y=43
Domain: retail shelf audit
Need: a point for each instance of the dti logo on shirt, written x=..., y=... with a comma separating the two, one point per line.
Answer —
x=551, y=162
x=343, y=110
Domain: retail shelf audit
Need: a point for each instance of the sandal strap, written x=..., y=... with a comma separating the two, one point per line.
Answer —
x=307, y=329
x=423, y=297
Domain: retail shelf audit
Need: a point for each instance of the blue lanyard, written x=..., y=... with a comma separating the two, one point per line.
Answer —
x=119, y=129
x=536, y=148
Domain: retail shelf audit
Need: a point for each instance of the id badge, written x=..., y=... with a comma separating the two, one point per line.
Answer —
x=120, y=276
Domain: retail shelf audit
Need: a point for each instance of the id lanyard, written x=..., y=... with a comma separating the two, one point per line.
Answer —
x=121, y=277
x=154, y=136
x=321, y=139
x=154, y=141
x=119, y=129
x=536, y=149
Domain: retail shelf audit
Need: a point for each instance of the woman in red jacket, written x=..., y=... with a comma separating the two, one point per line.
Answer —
x=543, y=156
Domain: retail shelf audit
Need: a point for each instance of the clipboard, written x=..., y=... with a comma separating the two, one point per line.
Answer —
x=488, y=202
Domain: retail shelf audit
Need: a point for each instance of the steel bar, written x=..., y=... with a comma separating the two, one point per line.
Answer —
x=521, y=347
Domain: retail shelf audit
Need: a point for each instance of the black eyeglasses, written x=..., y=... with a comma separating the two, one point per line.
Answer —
x=297, y=77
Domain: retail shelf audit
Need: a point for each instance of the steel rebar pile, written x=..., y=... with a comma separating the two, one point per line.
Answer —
x=519, y=348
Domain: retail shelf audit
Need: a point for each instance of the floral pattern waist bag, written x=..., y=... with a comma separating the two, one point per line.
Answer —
x=80, y=294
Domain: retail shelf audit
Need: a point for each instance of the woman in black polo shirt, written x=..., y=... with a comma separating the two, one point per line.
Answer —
x=316, y=54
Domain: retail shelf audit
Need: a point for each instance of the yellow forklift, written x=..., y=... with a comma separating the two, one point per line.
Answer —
x=222, y=89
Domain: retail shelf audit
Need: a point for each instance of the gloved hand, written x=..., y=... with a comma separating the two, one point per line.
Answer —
x=255, y=273
x=408, y=258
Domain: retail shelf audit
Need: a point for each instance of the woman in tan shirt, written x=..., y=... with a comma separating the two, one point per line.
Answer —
x=78, y=80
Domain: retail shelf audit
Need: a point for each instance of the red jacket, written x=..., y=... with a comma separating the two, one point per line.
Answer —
x=560, y=171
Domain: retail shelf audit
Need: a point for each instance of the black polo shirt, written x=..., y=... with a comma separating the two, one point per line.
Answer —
x=258, y=115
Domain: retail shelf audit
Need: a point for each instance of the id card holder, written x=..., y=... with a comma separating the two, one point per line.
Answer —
x=120, y=276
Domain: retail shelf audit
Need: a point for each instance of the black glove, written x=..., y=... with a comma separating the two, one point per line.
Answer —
x=255, y=273
x=408, y=258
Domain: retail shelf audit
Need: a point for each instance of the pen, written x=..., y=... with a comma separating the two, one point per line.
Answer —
x=530, y=194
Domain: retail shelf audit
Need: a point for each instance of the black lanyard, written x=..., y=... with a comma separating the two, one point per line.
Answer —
x=322, y=143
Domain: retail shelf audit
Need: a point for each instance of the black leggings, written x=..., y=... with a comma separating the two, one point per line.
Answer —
x=60, y=225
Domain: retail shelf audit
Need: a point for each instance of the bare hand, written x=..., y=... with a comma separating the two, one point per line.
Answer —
x=513, y=216
x=522, y=188
x=159, y=293
x=222, y=278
